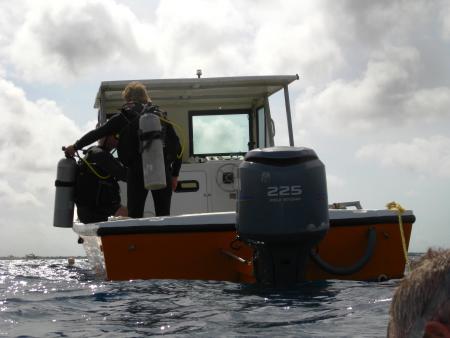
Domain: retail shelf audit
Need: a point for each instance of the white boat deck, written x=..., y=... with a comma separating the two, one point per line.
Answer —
x=227, y=220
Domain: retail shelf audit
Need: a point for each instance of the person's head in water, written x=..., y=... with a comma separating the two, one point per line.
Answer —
x=421, y=304
x=136, y=92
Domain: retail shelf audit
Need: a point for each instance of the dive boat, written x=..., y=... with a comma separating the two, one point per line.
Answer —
x=244, y=210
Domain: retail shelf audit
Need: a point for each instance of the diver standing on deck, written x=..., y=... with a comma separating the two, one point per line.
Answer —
x=125, y=125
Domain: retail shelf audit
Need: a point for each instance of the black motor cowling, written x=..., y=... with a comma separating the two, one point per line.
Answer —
x=282, y=210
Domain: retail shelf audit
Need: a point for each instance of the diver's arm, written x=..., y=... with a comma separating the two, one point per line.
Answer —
x=176, y=166
x=112, y=126
x=173, y=139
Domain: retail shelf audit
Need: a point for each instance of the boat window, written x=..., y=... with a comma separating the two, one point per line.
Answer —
x=219, y=132
x=261, y=128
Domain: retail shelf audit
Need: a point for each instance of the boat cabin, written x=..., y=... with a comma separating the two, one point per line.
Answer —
x=218, y=120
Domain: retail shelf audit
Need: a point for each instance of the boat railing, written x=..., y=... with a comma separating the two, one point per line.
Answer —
x=345, y=205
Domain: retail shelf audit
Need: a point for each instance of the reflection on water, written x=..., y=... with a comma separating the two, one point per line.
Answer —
x=47, y=297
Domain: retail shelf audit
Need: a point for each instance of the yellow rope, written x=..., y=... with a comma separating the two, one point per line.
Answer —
x=93, y=170
x=395, y=206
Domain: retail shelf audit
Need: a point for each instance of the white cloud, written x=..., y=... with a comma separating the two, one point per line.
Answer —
x=33, y=132
x=444, y=19
x=217, y=134
x=335, y=182
x=229, y=38
x=428, y=104
x=30, y=146
x=429, y=157
x=11, y=16
x=9, y=197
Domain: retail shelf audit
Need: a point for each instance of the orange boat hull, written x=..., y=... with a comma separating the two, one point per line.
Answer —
x=216, y=255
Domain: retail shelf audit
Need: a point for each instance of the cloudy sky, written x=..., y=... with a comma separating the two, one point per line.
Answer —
x=373, y=97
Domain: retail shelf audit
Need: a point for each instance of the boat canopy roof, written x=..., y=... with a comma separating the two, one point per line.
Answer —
x=245, y=90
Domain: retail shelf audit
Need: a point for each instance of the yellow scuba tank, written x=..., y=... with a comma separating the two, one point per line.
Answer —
x=65, y=193
x=152, y=152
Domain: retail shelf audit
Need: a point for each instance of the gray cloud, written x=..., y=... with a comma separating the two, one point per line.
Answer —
x=321, y=40
x=374, y=21
x=77, y=38
x=389, y=90
x=61, y=40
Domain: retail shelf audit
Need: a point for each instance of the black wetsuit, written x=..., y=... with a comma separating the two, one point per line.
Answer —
x=96, y=197
x=136, y=192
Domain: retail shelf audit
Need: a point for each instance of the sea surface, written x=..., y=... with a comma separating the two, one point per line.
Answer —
x=49, y=298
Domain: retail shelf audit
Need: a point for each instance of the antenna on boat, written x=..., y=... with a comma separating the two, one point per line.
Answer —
x=199, y=73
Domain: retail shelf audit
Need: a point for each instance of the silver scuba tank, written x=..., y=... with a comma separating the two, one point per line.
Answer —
x=152, y=152
x=65, y=192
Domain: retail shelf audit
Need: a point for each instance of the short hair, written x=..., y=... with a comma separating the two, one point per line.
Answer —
x=423, y=295
x=135, y=91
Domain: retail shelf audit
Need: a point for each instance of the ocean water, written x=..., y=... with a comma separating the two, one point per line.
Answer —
x=48, y=298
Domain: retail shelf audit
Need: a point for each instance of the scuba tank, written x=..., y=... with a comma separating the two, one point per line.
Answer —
x=65, y=191
x=152, y=151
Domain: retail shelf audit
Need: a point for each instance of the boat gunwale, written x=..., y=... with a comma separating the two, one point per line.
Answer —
x=103, y=229
x=163, y=225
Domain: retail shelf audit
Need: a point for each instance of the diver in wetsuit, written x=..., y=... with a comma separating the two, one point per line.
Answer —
x=97, y=192
x=125, y=125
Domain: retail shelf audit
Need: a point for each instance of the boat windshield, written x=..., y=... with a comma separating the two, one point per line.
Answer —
x=219, y=132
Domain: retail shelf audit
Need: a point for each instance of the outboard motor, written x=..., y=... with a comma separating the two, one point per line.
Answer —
x=65, y=193
x=282, y=211
x=152, y=152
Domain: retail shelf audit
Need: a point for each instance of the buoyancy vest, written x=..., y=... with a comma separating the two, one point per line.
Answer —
x=93, y=191
x=128, y=148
